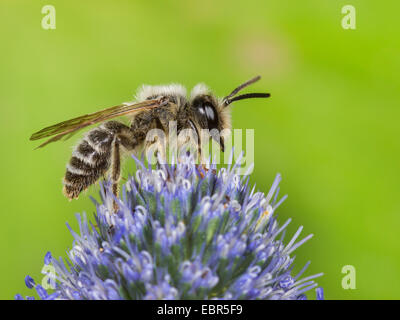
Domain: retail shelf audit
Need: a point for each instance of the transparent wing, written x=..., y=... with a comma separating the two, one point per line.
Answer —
x=69, y=127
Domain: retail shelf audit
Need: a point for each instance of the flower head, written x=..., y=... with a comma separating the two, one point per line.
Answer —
x=182, y=231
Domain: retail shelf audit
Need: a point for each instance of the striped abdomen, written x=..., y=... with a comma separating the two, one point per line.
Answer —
x=90, y=160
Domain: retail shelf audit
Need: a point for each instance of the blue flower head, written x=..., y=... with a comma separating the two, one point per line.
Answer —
x=182, y=231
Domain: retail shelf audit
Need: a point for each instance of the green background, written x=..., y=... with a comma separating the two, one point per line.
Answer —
x=331, y=127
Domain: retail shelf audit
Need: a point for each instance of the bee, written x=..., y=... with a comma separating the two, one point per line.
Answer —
x=99, y=152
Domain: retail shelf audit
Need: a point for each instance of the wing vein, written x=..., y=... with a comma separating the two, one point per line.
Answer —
x=59, y=130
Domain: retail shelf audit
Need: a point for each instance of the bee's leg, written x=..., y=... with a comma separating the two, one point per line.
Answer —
x=115, y=170
x=157, y=148
x=199, y=153
x=198, y=139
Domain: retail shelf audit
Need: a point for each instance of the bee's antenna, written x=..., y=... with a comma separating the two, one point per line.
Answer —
x=248, y=96
x=228, y=99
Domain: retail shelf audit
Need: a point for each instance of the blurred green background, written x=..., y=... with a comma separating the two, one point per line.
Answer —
x=331, y=127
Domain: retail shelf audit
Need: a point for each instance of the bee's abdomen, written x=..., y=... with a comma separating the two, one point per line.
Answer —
x=90, y=160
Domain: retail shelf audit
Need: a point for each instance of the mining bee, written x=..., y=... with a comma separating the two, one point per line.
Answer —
x=99, y=152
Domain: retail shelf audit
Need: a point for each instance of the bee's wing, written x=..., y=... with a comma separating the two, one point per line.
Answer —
x=67, y=128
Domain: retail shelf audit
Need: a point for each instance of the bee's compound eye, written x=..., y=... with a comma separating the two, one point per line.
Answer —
x=207, y=110
x=211, y=115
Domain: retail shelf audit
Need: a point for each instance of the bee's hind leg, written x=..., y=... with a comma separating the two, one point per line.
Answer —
x=115, y=171
x=123, y=137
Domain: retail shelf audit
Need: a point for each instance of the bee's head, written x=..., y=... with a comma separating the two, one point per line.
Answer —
x=212, y=113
